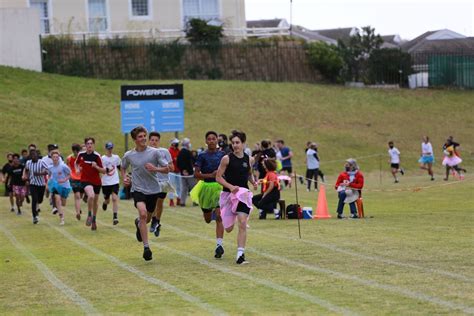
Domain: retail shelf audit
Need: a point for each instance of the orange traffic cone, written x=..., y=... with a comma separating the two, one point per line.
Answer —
x=322, y=208
x=360, y=207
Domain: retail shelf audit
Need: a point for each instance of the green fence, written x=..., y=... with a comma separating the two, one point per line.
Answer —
x=451, y=71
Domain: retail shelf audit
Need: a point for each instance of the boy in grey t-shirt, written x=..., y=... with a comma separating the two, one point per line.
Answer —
x=145, y=163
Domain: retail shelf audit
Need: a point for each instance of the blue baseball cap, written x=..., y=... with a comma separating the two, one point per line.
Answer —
x=109, y=145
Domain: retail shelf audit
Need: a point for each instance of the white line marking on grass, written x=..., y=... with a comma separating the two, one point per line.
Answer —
x=376, y=258
x=274, y=286
x=334, y=248
x=171, y=288
x=391, y=288
x=52, y=278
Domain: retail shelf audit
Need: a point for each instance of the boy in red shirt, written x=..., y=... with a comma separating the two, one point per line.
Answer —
x=89, y=164
x=349, y=185
x=266, y=202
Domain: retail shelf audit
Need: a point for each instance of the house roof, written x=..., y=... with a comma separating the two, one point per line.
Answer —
x=444, y=34
x=309, y=35
x=457, y=45
x=409, y=45
x=445, y=47
x=389, y=39
x=264, y=23
x=343, y=34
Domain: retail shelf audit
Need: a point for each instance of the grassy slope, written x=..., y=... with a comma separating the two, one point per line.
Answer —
x=429, y=229
x=45, y=108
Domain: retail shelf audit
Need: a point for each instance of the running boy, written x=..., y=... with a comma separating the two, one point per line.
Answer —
x=144, y=161
x=207, y=191
x=89, y=164
x=236, y=200
x=110, y=181
x=394, y=154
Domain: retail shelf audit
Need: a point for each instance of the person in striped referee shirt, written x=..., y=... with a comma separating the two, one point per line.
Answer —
x=34, y=173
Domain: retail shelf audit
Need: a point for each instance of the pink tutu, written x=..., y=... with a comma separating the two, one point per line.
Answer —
x=228, y=202
x=451, y=161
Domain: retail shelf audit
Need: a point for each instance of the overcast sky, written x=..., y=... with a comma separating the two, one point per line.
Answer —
x=408, y=18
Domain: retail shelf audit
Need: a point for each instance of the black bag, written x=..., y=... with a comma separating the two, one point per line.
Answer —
x=293, y=211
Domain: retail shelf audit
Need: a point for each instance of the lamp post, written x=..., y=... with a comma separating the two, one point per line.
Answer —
x=291, y=16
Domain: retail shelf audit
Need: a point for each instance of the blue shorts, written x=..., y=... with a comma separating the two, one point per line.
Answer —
x=426, y=159
x=55, y=188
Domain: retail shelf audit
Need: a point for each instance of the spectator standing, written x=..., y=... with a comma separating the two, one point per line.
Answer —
x=185, y=163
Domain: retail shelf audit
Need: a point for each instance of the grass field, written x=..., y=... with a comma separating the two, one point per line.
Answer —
x=44, y=108
x=412, y=255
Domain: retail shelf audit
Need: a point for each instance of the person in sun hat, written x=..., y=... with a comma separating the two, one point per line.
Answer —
x=349, y=185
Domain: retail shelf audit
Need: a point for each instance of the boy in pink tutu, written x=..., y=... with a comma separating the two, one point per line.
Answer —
x=233, y=174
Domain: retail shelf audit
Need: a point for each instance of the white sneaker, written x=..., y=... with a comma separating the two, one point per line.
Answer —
x=54, y=211
x=61, y=223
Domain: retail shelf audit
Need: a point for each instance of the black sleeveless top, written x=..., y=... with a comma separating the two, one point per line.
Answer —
x=238, y=171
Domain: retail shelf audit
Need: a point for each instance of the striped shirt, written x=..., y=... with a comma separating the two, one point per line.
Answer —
x=35, y=167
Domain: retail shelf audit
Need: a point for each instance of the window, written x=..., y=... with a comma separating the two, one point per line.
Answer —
x=43, y=7
x=201, y=9
x=140, y=8
x=97, y=16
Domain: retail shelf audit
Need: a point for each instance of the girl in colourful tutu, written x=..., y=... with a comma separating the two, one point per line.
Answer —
x=427, y=158
x=451, y=159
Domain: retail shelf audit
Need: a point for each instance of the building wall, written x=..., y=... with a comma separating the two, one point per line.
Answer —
x=14, y=4
x=19, y=38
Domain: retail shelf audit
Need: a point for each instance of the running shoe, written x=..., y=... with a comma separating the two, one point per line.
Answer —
x=78, y=216
x=157, y=230
x=115, y=222
x=54, y=211
x=153, y=226
x=147, y=254
x=93, y=226
x=354, y=216
x=104, y=206
x=241, y=260
x=61, y=223
x=402, y=171
x=19, y=212
x=89, y=221
x=340, y=216
x=84, y=198
x=12, y=210
x=35, y=220
x=138, y=235
x=219, y=252
x=27, y=198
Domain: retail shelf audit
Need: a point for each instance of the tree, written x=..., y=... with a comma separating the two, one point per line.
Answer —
x=357, y=51
x=389, y=65
x=326, y=59
x=202, y=32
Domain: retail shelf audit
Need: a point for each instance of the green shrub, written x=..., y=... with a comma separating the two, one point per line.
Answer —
x=326, y=59
x=200, y=32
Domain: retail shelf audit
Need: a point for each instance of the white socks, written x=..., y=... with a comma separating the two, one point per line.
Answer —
x=240, y=251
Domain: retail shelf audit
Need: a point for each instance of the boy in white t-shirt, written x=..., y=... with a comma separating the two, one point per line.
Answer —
x=394, y=161
x=110, y=180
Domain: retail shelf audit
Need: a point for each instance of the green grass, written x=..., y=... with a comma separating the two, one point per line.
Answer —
x=413, y=255
x=44, y=108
